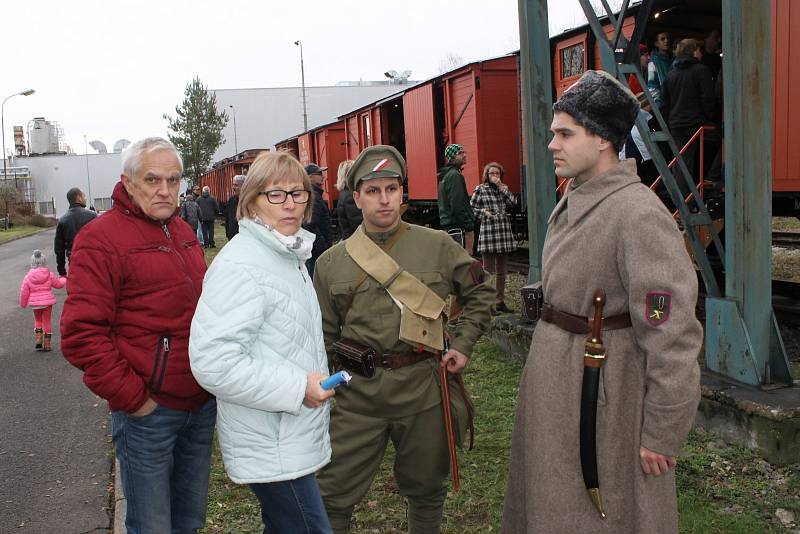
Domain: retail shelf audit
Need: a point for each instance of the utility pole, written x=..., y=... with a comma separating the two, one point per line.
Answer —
x=303, y=82
x=235, y=141
x=88, y=177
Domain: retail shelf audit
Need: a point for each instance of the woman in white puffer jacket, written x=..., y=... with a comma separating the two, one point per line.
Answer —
x=256, y=343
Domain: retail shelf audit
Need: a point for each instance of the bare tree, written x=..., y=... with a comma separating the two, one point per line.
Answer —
x=450, y=62
x=8, y=197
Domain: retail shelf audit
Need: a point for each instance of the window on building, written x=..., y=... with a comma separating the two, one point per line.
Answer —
x=102, y=204
x=47, y=208
x=572, y=61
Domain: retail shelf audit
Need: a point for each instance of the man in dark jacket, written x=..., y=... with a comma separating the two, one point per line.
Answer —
x=69, y=225
x=320, y=223
x=231, y=222
x=135, y=278
x=688, y=102
x=454, y=209
x=208, y=210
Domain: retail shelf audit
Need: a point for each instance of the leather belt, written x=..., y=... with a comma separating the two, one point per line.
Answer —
x=577, y=324
x=401, y=359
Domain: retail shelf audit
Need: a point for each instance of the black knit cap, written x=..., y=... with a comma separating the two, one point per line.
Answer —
x=602, y=105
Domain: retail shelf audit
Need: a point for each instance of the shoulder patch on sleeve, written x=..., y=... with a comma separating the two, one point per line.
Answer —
x=658, y=305
x=477, y=273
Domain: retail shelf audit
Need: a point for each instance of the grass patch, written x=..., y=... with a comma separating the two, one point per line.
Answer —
x=18, y=231
x=785, y=224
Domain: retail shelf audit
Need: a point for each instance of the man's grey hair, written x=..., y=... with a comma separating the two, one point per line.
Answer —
x=239, y=178
x=133, y=155
x=206, y=189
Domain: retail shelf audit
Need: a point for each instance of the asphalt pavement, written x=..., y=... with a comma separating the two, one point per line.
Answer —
x=55, y=443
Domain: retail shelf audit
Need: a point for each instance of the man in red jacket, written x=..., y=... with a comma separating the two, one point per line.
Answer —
x=135, y=278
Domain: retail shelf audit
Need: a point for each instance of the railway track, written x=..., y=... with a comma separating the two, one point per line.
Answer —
x=786, y=239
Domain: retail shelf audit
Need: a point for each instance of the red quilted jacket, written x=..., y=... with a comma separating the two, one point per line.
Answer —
x=133, y=287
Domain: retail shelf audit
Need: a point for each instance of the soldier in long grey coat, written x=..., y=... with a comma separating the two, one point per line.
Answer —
x=608, y=231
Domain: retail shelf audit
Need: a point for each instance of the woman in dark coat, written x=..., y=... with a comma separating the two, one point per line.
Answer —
x=491, y=202
x=346, y=210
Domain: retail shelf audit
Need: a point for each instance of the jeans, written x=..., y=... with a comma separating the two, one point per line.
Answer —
x=199, y=232
x=165, y=465
x=292, y=507
x=208, y=233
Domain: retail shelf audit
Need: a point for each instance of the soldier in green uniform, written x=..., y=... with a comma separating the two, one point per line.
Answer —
x=402, y=401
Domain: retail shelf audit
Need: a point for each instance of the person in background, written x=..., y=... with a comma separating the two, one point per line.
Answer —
x=320, y=222
x=257, y=345
x=135, y=277
x=36, y=292
x=659, y=65
x=491, y=203
x=208, y=210
x=712, y=47
x=190, y=212
x=455, y=212
x=231, y=222
x=76, y=217
x=688, y=102
x=346, y=210
x=644, y=60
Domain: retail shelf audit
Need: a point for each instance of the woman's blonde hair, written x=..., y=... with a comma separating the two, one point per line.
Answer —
x=272, y=168
x=341, y=174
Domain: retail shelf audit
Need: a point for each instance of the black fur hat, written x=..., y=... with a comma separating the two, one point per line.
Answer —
x=602, y=105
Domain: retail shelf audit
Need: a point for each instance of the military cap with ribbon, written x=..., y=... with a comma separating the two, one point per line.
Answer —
x=378, y=161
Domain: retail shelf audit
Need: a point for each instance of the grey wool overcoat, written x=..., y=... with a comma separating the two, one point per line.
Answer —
x=612, y=233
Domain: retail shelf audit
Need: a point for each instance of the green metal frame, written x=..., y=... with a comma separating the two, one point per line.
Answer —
x=742, y=337
x=537, y=94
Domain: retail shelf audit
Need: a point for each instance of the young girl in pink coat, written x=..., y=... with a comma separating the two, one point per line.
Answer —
x=37, y=292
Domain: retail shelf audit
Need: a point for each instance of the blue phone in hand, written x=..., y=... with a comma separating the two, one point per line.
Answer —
x=342, y=377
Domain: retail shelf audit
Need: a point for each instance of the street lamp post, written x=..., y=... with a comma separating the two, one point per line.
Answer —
x=26, y=92
x=235, y=142
x=303, y=82
x=88, y=176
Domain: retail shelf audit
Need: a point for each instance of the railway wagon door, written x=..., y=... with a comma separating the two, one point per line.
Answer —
x=786, y=112
x=418, y=118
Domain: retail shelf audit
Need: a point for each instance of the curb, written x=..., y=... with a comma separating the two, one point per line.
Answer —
x=27, y=235
x=120, y=504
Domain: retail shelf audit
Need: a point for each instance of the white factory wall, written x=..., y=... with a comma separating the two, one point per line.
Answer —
x=54, y=175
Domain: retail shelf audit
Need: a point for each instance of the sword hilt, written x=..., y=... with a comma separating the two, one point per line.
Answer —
x=595, y=353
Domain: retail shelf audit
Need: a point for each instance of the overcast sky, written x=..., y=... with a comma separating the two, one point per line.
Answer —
x=110, y=70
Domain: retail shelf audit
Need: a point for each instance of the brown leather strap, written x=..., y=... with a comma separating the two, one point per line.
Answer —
x=401, y=359
x=387, y=246
x=448, y=428
x=577, y=324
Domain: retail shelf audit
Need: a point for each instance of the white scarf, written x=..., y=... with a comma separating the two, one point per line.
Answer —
x=297, y=243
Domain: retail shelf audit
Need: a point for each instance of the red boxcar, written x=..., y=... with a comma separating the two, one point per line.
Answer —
x=220, y=178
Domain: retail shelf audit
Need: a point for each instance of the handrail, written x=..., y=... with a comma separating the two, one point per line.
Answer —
x=700, y=133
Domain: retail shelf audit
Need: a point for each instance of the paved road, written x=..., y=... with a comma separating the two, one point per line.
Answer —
x=55, y=452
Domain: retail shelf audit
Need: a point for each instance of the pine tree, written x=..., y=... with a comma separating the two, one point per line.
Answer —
x=197, y=129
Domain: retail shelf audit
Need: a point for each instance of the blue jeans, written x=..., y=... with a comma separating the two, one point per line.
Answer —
x=165, y=465
x=292, y=507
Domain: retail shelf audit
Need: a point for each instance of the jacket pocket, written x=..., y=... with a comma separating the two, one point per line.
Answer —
x=160, y=364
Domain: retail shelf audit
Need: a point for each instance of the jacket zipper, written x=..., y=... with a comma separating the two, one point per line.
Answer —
x=160, y=365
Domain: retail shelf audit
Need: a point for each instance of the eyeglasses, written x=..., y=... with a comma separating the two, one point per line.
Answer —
x=278, y=196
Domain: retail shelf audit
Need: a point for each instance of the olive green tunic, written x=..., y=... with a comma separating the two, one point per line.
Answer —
x=374, y=319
